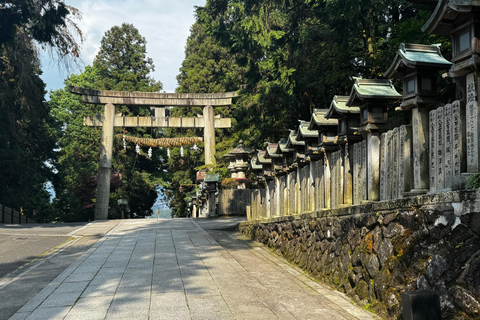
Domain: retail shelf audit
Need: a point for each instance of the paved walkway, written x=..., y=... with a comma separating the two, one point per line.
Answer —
x=174, y=269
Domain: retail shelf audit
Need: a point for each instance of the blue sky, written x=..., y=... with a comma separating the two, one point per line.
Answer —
x=165, y=24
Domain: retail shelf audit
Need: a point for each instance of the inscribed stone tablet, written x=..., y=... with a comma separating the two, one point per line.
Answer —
x=472, y=126
x=440, y=145
x=395, y=155
x=389, y=164
x=364, y=170
x=432, y=150
x=383, y=166
x=457, y=145
x=448, y=146
x=401, y=161
x=321, y=184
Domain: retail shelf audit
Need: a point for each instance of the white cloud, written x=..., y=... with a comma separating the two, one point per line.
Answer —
x=165, y=24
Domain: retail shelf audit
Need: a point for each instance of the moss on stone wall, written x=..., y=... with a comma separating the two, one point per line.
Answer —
x=374, y=257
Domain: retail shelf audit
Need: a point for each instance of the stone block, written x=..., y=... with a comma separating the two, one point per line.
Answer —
x=372, y=265
x=385, y=251
x=421, y=305
x=463, y=300
x=361, y=289
x=435, y=267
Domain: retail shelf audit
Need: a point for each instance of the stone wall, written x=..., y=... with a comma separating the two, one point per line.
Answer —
x=374, y=252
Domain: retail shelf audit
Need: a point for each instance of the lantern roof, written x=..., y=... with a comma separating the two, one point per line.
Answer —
x=442, y=19
x=282, y=146
x=318, y=120
x=292, y=141
x=261, y=159
x=272, y=151
x=255, y=164
x=303, y=131
x=372, y=89
x=339, y=109
x=416, y=55
x=238, y=150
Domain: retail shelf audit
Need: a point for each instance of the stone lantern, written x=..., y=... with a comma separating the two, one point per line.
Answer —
x=348, y=119
x=277, y=158
x=256, y=167
x=346, y=135
x=310, y=137
x=238, y=160
x=194, y=204
x=266, y=165
x=460, y=20
x=372, y=97
x=287, y=153
x=299, y=149
x=211, y=181
x=327, y=129
x=418, y=66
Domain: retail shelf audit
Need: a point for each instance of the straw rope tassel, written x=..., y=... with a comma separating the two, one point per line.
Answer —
x=163, y=142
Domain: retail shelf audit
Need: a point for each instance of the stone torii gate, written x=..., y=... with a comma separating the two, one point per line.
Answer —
x=157, y=101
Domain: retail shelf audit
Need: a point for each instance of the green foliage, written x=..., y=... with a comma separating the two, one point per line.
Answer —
x=27, y=129
x=122, y=61
x=473, y=181
x=233, y=183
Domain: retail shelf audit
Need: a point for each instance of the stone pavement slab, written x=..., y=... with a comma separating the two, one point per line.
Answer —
x=174, y=269
x=33, y=255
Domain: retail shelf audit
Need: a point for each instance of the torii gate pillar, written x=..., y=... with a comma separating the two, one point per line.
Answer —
x=209, y=135
x=105, y=164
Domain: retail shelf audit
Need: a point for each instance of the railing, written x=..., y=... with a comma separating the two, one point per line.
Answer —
x=12, y=216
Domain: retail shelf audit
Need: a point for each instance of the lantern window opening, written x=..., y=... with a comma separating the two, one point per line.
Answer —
x=410, y=85
x=343, y=126
x=426, y=84
x=364, y=114
x=463, y=41
x=378, y=113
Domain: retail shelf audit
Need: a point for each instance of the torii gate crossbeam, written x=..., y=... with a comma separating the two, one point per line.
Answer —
x=208, y=122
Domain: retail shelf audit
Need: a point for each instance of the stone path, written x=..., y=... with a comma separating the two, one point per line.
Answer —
x=174, y=269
